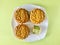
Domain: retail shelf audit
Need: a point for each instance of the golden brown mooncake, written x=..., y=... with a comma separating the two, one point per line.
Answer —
x=21, y=15
x=37, y=16
x=22, y=31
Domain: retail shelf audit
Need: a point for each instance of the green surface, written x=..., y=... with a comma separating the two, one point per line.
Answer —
x=6, y=34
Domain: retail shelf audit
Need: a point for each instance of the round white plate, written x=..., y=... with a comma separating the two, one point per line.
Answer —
x=43, y=25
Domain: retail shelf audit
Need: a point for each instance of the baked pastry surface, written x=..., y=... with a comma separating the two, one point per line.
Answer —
x=37, y=16
x=21, y=15
x=22, y=31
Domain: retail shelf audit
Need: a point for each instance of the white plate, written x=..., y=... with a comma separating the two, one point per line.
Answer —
x=43, y=25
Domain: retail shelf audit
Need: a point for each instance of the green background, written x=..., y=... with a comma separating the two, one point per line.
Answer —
x=53, y=10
